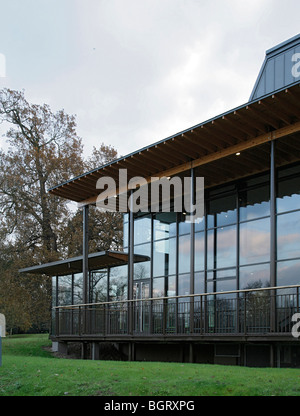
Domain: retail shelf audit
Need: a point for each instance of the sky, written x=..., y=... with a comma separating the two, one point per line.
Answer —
x=137, y=71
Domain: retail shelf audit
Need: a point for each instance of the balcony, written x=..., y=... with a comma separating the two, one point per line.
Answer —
x=243, y=314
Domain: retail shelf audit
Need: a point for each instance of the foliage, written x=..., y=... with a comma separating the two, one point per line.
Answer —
x=36, y=227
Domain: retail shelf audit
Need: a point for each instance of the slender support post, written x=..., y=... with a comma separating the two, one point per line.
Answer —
x=192, y=264
x=130, y=266
x=272, y=238
x=85, y=266
x=237, y=312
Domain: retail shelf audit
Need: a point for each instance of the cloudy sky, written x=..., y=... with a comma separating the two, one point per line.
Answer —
x=137, y=71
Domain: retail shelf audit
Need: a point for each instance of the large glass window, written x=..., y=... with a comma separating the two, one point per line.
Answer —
x=98, y=286
x=256, y=276
x=288, y=193
x=226, y=285
x=210, y=249
x=65, y=290
x=118, y=283
x=199, y=251
x=142, y=270
x=288, y=273
x=184, y=254
x=288, y=235
x=78, y=288
x=125, y=232
x=164, y=257
x=171, y=288
x=226, y=246
x=159, y=287
x=222, y=211
x=184, y=227
x=199, y=283
x=254, y=203
x=54, y=291
x=184, y=284
x=255, y=241
x=164, y=225
x=142, y=229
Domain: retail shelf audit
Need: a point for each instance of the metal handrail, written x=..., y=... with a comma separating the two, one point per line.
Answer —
x=176, y=297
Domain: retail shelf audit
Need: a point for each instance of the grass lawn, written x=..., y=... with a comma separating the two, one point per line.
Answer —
x=28, y=370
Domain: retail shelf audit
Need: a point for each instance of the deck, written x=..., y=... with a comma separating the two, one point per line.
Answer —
x=246, y=315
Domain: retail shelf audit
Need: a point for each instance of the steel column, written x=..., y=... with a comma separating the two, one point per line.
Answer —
x=272, y=236
x=85, y=265
x=130, y=264
x=192, y=258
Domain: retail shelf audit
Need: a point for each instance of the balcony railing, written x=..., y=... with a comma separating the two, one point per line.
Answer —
x=242, y=312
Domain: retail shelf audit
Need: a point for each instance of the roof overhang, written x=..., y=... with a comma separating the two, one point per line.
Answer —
x=210, y=147
x=96, y=261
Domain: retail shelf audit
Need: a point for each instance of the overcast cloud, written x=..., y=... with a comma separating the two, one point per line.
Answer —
x=137, y=71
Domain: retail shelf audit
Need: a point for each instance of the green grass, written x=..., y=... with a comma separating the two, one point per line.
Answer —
x=28, y=370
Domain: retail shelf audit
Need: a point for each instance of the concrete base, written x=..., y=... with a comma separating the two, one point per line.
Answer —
x=95, y=351
x=61, y=347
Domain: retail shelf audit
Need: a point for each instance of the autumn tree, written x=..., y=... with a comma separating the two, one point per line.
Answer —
x=105, y=228
x=44, y=150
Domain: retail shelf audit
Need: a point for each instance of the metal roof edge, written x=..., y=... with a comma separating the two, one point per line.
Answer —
x=283, y=45
x=270, y=53
x=174, y=135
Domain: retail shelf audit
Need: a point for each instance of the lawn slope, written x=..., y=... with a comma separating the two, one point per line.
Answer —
x=29, y=370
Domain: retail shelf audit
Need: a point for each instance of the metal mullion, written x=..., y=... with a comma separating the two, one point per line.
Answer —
x=176, y=271
x=130, y=264
x=272, y=234
x=204, y=326
x=151, y=275
x=237, y=258
x=192, y=259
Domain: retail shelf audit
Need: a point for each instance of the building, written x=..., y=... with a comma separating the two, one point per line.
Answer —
x=224, y=289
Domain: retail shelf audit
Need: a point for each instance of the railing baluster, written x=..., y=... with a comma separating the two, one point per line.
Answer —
x=249, y=312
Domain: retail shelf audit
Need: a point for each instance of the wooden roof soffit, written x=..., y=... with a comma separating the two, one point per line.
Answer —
x=228, y=151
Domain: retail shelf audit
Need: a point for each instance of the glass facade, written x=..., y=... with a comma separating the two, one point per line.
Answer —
x=228, y=249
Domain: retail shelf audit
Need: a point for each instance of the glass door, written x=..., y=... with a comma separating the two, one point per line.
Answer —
x=141, y=291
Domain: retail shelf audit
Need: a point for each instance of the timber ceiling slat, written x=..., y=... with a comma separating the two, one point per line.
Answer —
x=243, y=127
x=174, y=160
x=238, y=129
x=69, y=194
x=293, y=97
x=198, y=144
x=82, y=184
x=233, y=136
x=161, y=158
x=183, y=149
x=149, y=160
x=215, y=136
x=203, y=141
x=284, y=103
x=247, y=117
x=280, y=114
x=264, y=116
x=143, y=169
x=246, y=160
x=172, y=150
